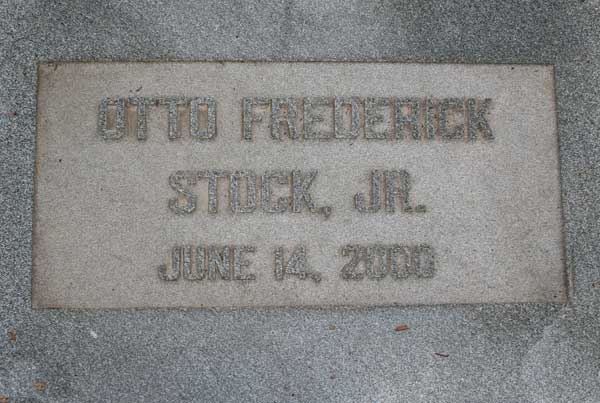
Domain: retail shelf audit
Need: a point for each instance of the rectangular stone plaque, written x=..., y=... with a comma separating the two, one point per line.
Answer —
x=295, y=184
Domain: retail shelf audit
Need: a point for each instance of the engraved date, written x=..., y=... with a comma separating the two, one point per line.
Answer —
x=229, y=262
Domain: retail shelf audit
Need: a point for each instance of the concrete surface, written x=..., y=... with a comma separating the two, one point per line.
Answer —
x=495, y=353
x=103, y=223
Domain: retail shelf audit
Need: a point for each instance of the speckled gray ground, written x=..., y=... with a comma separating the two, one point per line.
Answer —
x=510, y=353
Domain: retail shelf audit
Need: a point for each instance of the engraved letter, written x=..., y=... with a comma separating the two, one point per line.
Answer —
x=318, y=118
x=171, y=272
x=234, y=191
x=140, y=116
x=240, y=264
x=300, y=194
x=186, y=260
x=452, y=119
x=407, y=116
x=432, y=116
x=394, y=189
x=213, y=176
x=111, y=123
x=478, y=111
x=282, y=203
x=249, y=116
x=359, y=199
x=377, y=118
x=283, y=118
x=185, y=202
x=173, y=125
x=219, y=262
x=197, y=271
x=207, y=106
x=350, y=131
